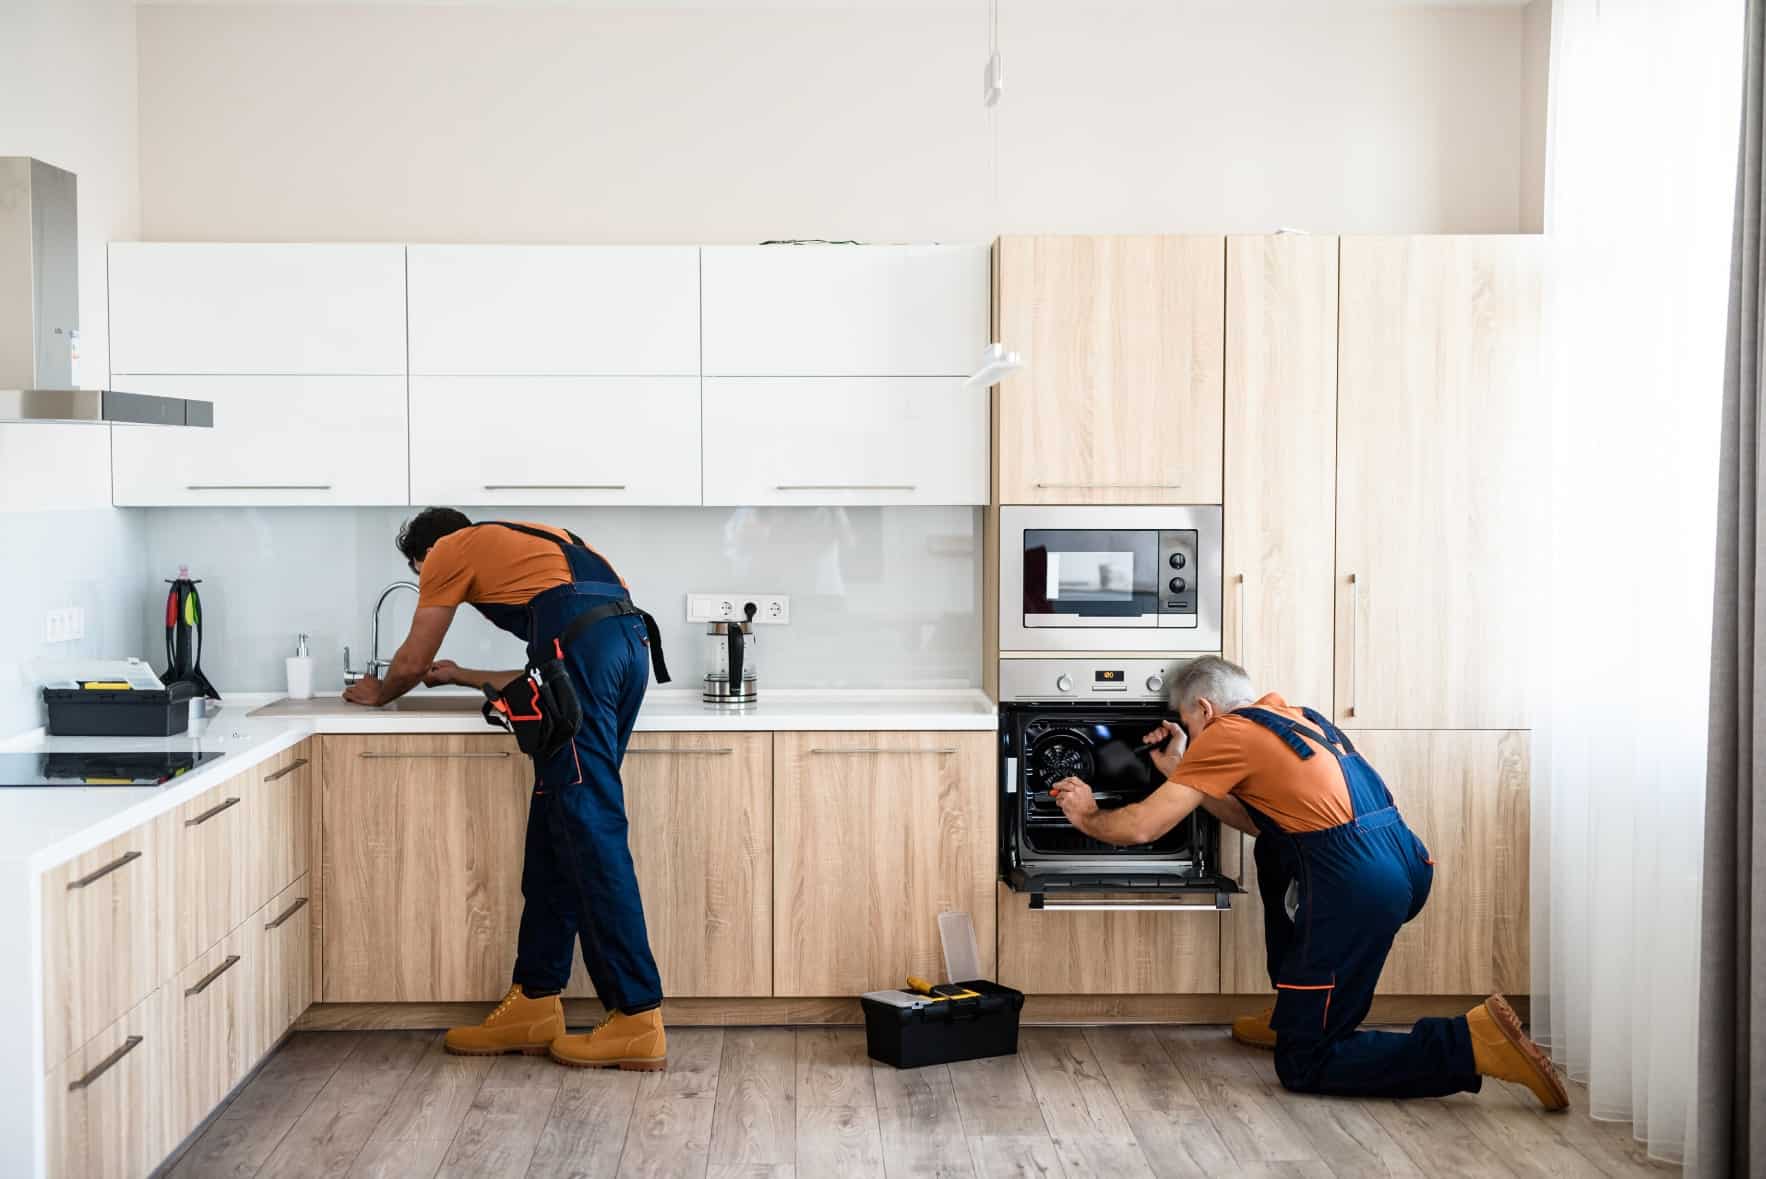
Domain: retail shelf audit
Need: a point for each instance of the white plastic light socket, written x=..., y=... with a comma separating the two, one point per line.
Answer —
x=772, y=609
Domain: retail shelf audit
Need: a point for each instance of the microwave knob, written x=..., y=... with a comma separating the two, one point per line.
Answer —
x=1155, y=684
x=1177, y=560
x=1063, y=683
x=1178, y=585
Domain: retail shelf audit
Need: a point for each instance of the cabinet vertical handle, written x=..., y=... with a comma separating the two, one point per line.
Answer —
x=1354, y=634
x=1239, y=590
x=98, y=1070
x=208, y=980
x=286, y=770
x=98, y=874
x=212, y=811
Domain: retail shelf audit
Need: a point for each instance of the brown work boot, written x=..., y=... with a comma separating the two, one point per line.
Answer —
x=1502, y=1050
x=518, y=1024
x=1255, y=1030
x=618, y=1041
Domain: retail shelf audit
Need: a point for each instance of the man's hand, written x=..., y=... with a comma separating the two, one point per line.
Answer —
x=1172, y=743
x=1075, y=799
x=441, y=673
x=365, y=691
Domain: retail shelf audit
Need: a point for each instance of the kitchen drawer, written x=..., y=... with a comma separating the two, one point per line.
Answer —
x=285, y=987
x=106, y=1108
x=216, y=849
x=216, y=1024
x=106, y=935
x=282, y=811
x=1136, y=951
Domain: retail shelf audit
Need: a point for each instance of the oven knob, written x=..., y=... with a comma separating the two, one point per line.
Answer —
x=1155, y=684
x=1063, y=683
x=1177, y=560
x=1178, y=585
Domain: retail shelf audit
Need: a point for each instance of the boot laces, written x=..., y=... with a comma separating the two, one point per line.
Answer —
x=514, y=994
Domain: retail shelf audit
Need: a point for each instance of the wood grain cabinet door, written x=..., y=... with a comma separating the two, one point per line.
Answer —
x=875, y=835
x=216, y=862
x=217, y=1034
x=285, y=984
x=1439, y=418
x=422, y=843
x=283, y=817
x=1144, y=952
x=1120, y=397
x=701, y=812
x=108, y=1107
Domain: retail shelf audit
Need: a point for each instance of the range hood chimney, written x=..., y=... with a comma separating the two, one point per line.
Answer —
x=40, y=312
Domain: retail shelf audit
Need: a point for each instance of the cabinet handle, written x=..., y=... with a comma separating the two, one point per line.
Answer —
x=434, y=756
x=287, y=913
x=882, y=749
x=719, y=751
x=1239, y=589
x=1124, y=486
x=212, y=811
x=1354, y=629
x=208, y=980
x=845, y=486
x=257, y=487
x=98, y=1070
x=296, y=764
x=96, y=874
x=1131, y=907
x=554, y=487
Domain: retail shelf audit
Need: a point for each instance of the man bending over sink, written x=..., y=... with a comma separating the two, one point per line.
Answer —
x=542, y=585
x=1339, y=873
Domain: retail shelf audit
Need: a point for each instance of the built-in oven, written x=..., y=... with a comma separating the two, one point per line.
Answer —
x=1109, y=578
x=1055, y=714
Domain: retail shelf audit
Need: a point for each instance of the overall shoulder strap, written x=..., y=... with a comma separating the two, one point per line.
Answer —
x=1336, y=735
x=1280, y=725
x=543, y=535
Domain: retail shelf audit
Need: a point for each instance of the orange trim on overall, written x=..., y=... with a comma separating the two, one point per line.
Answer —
x=1293, y=987
x=502, y=706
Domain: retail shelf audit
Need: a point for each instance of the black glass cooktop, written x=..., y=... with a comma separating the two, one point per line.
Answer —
x=119, y=767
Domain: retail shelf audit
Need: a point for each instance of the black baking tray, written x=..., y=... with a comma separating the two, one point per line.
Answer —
x=83, y=712
x=946, y=1031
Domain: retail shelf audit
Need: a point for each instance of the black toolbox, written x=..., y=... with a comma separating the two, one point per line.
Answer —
x=88, y=712
x=946, y=1030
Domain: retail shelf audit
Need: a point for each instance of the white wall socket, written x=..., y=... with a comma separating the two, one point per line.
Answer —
x=64, y=626
x=774, y=609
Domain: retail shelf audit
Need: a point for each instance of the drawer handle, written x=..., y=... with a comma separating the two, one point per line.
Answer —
x=453, y=756
x=97, y=874
x=212, y=811
x=1125, y=486
x=287, y=913
x=845, y=486
x=885, y=749
x=98, y=1070
x=718, y=751
x=257, y=487
x=296, y=764
x=554, y=487
x=208, y=980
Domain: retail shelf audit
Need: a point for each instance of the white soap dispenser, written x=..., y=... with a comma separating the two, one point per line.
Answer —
x=300, y=671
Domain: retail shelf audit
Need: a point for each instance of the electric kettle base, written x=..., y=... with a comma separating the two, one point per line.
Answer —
x=717, y=693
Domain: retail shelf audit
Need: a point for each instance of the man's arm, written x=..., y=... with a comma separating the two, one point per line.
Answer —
x=448, y=672
x=1230, y=811
x=429, y=625
x=1140, y=822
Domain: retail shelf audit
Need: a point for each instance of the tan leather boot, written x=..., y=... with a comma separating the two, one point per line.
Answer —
x=1502, y=1050
x=518, y=1024
x=618, y=1041
x=1255, y=1030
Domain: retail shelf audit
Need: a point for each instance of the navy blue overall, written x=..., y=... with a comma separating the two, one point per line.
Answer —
x=1359, y=883
x=577, y=879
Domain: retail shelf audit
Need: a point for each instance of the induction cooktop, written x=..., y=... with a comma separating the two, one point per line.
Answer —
x=111, y=767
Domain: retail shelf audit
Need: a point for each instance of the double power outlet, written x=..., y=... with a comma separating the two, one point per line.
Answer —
x=772, y=609
x=64, y=626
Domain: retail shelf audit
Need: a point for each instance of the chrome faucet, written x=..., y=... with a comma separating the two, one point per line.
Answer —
x=376, y=665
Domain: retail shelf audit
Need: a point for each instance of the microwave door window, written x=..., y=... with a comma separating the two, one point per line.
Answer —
x=1090, y=578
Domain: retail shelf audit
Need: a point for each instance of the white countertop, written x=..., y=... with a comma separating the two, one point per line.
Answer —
x=49, y=825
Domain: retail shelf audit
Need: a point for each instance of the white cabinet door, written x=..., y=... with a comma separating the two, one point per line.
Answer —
x=838, y=311
x=864, y=440
x=54, y=465
x=276, y=440
x=554, y=310
x=555, y=440
x=220, y=308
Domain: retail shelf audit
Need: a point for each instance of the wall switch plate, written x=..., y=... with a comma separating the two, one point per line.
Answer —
x=64, y=626
x=772, y=609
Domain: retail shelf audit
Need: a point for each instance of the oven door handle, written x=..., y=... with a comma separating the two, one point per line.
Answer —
x=1221, y=903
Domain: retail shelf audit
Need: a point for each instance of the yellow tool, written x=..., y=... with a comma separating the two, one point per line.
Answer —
x=920, y=986
x=106, y=685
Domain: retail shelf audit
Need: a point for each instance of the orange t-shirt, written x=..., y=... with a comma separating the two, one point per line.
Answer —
x=491, y=564
x=1238, y=756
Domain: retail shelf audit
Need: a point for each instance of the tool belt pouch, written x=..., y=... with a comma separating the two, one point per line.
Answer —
x=539, y=706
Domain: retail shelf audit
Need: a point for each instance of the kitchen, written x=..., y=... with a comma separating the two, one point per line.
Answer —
x=936, y=453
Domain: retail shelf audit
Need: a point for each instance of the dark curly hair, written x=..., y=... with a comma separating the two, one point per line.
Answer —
x=421, y=531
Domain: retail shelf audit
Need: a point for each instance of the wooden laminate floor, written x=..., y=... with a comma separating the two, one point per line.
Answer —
x=1115, y=1102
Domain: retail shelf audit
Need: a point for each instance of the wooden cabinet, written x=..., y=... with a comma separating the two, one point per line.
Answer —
x=282, y=814
x=786, y=440
x=842, y=311
x=555, y=440
x=1439, y=415
x=276, y=441
x=216, y=849
x=1281, y=428
x=286, y=978
x=108, y=1108
x=1146, y=952
x=875, y=834
x=701, y=811
x=203, y=307
x=494, y=310
x=423, y=839
x=218, y=1031
x=1120, y=397
x=106, y=935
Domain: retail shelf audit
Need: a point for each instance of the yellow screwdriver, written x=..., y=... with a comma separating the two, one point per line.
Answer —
x=920, y=986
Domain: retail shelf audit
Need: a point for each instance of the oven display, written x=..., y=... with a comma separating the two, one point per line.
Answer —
x=1113, y=676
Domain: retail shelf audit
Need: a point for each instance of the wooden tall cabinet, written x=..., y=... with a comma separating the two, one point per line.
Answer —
x=1439, y=414
x=1120, y=397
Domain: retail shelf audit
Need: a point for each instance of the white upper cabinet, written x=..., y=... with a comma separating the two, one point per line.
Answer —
x=554, y=310
x=262, y=309
x=840, y=311
x=844, y=440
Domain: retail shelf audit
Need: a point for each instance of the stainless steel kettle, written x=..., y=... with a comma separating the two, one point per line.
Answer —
x=731, y=678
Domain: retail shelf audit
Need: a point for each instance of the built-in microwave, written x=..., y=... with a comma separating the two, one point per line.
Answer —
x=1109, y=578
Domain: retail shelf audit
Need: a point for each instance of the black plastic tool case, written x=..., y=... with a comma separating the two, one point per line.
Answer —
x=82, y=712
x=945, y=1031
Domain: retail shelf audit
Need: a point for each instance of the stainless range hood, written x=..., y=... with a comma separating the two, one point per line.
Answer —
x=40, y=312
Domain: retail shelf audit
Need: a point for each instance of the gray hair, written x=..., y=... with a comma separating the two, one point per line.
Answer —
x=1223, y=683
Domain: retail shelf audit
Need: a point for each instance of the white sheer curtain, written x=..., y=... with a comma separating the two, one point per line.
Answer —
x=1644, y=114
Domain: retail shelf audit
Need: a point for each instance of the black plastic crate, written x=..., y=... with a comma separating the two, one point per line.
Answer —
x=82, y=712
x=945, y=1031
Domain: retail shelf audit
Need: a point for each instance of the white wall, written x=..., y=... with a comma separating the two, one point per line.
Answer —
x=657, y=123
